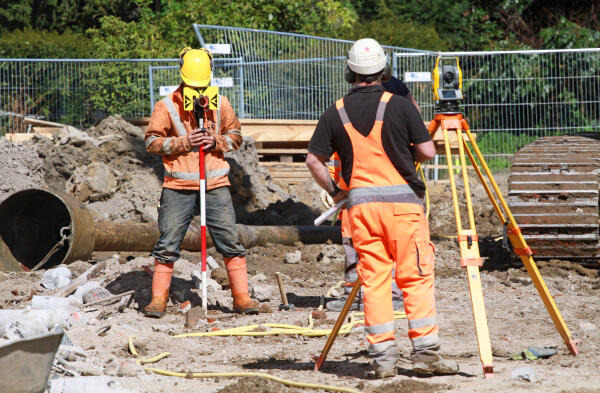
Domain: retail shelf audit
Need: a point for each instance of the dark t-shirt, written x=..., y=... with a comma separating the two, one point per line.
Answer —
x=396, y=86
x=402, y=125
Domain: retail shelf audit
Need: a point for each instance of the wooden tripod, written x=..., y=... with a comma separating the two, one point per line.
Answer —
x=468, y=243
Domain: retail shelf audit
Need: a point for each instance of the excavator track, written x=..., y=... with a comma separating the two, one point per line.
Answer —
x=553, y=195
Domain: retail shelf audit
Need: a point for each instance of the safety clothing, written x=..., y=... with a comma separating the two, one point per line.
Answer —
x=351, y=258
x=166, y=135
x=195, y=67
x=366, y=57
x=238, y=280
x=388, y=224
x=326, y=199
x=161, y=281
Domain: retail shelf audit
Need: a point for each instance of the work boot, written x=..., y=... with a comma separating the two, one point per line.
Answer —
x=384, y=361
x=430, y=362
x=238, y=280
x=161, y=281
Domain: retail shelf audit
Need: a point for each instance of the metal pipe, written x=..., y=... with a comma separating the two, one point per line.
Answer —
x=30, y=223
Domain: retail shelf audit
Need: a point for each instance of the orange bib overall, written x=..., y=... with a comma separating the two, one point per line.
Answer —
x=388, y=224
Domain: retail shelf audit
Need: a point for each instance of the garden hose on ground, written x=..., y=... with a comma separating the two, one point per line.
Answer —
x=272, y=329
x=189, y=375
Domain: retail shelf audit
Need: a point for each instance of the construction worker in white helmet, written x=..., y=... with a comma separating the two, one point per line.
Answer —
x=397, y=87
x=378, y=137
x=173, y=133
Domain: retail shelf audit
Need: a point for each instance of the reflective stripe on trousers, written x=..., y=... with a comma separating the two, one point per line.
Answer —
x=387, y=232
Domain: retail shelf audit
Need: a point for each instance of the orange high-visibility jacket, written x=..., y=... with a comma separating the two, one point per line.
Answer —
x=166, y=135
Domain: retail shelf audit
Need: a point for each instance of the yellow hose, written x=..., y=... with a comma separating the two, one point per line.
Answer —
x=229, y=374
x=278, y=328
x=144, y=361
x=251, y=374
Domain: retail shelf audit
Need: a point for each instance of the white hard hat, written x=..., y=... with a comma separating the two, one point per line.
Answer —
x=366, y=57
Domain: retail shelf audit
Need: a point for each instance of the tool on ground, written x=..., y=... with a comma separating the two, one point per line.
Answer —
x=447, y=91
x=284, y=305
x=201, y=104
x=338, y=324
x=329, y=212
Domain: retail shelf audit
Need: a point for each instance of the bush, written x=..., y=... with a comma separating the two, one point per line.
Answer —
x=40, y=44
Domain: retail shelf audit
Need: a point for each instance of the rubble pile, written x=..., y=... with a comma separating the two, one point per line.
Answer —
x=20, y=168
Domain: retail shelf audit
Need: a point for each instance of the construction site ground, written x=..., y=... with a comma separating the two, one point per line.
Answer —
x=517, y=318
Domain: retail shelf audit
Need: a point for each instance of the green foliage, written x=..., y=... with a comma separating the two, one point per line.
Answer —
x=36, y=44
x=160, y=34
x=388, y=29
x=459, y=23
x=566, y=35
x=15, y=14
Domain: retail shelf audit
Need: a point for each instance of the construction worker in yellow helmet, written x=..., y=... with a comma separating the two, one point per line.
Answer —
x=173, y=133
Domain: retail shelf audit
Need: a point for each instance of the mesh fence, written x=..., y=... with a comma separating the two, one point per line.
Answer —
x=510, y=98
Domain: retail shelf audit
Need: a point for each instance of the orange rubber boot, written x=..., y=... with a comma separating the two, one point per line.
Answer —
x=238, y=279
x=161, y=281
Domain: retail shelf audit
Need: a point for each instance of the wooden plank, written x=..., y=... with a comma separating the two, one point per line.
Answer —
x=291, y=175
x=44, y=123
x=275, y=151
x=278, y=130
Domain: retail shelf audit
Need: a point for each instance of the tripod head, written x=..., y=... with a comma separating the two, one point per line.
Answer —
x=447, y=85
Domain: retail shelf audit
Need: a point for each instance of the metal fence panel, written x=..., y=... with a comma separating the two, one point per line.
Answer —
x=512, y=98
x=72, y=91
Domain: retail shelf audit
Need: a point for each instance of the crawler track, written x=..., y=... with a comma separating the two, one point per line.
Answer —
x=553, y=194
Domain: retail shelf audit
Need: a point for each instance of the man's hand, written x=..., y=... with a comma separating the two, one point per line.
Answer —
x=340, y=196
x=201, y=136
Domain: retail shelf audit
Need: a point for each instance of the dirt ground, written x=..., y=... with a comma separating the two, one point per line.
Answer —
x=516, y=315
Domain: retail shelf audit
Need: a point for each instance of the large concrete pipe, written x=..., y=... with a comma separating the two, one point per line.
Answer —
x=31, y=222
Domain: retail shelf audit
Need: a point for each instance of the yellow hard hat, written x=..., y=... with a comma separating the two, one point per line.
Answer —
x=195, y=67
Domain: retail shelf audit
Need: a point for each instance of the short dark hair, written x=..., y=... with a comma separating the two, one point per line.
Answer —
x=376, y=77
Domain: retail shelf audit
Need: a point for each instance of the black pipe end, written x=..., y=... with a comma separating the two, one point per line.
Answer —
x=30, y=224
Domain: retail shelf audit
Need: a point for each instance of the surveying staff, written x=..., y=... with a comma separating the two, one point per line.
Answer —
x=397, y=87
x=174, y=134
x=378, y=136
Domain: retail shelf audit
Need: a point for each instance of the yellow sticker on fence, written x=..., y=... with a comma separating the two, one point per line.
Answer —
x=191, y=93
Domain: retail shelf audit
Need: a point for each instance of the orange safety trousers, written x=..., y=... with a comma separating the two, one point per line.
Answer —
x=388, y=224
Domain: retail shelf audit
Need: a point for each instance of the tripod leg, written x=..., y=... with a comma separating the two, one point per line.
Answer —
x=338, y=324
x=523, y=251
x=470, y=258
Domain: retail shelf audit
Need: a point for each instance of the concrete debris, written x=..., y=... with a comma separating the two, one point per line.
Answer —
x=195, y=318
x=293, y=257
x=524, y=373
x=256, y=279
x=19, y=324
x=99, y=384
x=53, y=302
x=94, y=182
x=261, y=293
x=91, y=291
x=56, y=278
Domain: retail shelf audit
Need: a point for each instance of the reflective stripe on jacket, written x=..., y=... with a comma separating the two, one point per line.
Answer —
x=166, y=135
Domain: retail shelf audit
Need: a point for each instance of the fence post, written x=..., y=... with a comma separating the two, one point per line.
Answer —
x=241, y=99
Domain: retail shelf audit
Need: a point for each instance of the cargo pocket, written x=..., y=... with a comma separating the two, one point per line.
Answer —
x=425, y=257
